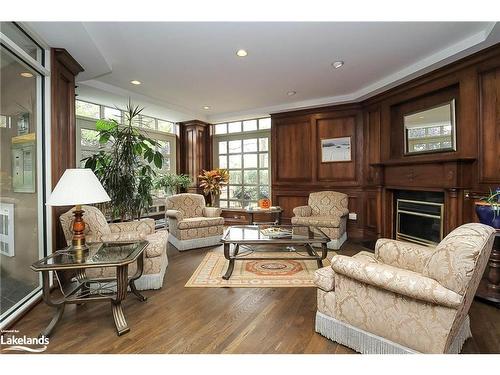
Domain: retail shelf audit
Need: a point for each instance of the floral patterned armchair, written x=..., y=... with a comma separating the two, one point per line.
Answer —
x=328, y=211
x=191, y=224
x=405, y=297
x=97, y=229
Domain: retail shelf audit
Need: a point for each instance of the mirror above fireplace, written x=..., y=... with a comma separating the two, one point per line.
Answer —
x=431, y=130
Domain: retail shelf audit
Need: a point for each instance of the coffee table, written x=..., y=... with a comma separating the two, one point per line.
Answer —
x=291, y=235
x=83, y=289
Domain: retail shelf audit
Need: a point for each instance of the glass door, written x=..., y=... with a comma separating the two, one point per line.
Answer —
x=21, y=172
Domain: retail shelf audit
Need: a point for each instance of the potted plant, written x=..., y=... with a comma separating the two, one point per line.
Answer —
x=173, y=183
x=488, y=209
x=124, y=165
x=212, y=182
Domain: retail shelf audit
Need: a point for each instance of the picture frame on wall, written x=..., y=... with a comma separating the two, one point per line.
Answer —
x=334, y=150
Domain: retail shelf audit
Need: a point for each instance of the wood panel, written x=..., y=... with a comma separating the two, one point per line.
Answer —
x=291, y=150
x=327, y=128
x=195, y=150
x=474, y=83
x=489, y=146
x=372, y=175
x=63, y=126
x=288, y=201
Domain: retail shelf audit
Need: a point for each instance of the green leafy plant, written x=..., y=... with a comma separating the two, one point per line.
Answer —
x=123, y=164
x=493, y=199
x=250, y=193
x=172, y=183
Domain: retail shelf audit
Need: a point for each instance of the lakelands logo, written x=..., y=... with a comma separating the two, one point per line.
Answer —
x=12, y=341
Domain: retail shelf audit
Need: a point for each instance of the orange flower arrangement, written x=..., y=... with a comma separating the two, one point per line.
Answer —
x=212, y=182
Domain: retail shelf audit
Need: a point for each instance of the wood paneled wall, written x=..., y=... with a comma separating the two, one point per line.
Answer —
x=195, y=150
x=297, y=168
x=63, y=131
x=378, y=165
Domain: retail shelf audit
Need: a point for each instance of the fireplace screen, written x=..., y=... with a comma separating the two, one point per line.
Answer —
x=419, y=222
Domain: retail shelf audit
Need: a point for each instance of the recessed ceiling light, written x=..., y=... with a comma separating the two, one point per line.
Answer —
x=134, y=82
x=338, y=64
x=206, y=107
x=291, y=93
x=26, y=75
x=241, y=53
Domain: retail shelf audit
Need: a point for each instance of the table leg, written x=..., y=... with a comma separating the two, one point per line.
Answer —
x=324, y=253
x=138, y=273
x=59, y=306
x=227, y=255
x=121, y=294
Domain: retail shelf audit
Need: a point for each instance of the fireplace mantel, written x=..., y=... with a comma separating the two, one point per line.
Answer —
x=424, y=174
x=408, y=162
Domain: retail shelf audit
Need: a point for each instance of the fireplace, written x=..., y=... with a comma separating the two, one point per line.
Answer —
x=419, y=217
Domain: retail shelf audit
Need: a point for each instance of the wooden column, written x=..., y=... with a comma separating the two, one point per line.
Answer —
x=195, y=150
x=63, y=126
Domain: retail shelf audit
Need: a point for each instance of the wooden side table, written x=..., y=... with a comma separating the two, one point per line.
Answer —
x=489, y=287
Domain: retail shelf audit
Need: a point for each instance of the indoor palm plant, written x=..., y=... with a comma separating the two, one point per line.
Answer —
x=488, y=209
x=212, y=181
x=123, y=164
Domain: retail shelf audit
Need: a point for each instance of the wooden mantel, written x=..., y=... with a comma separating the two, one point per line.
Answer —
x=425, y=174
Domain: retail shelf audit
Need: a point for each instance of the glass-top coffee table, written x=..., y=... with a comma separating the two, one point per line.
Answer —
x=291, y=236
x=84, y=289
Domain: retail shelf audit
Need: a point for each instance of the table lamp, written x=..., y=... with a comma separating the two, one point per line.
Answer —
x=75, y=188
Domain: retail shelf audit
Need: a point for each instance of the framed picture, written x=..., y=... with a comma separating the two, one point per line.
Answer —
x=336, y=150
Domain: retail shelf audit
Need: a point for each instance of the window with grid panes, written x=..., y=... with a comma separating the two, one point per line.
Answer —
x=87, y=137
x=242, y=147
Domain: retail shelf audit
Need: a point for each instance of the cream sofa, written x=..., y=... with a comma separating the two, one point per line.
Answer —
x=191, y=224
x=405, y=298
x=97, y=229
x=328, y=211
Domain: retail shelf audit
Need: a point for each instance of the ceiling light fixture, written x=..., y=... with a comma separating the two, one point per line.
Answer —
x=134, y=82
x=338, y=64
x=291, y=93
x=26, y=74
x=206, y=107
x=241, y=53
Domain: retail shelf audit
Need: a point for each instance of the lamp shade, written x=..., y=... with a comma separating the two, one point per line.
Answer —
x=78, y=186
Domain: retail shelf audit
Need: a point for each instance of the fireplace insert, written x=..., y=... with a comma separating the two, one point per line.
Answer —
x=419, y=220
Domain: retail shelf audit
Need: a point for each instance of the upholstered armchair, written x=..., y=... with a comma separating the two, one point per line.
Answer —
x=405, y=298
x=328, y=211
x=191, y=224
x=97, y=229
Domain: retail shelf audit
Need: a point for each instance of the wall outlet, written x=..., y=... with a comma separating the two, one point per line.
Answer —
x=353, y=216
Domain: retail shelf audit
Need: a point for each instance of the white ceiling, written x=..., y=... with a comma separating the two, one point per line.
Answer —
x=185, y=66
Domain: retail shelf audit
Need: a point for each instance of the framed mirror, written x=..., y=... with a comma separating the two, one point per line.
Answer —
x=431, y=130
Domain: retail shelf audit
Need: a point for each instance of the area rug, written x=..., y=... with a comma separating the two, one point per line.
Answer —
x=249, y=273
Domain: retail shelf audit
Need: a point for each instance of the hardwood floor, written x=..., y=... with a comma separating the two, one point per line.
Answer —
x=215, y=320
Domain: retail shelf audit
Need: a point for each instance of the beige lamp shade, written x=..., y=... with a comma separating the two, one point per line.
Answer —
x=76, y=187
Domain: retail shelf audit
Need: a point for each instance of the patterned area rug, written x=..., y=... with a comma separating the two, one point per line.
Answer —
x=248, y=273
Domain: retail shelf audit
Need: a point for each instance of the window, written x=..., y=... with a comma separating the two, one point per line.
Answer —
x=113, y=114
x=90, y=110
x=23, y=111
x=242, y=147
x=86, y=109
x=87, y=137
